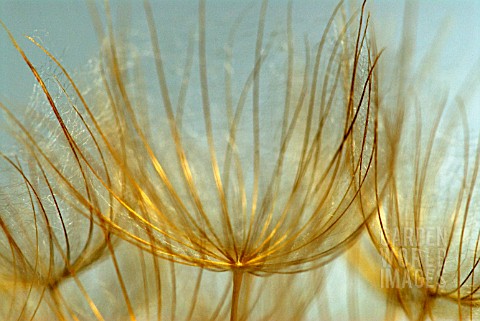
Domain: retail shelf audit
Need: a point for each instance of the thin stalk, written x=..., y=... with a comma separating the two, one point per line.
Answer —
x=237, y=285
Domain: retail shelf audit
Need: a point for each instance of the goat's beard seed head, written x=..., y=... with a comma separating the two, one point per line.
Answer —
x=263, y=179
x=427, y=222
x=426, y=230
x=259, y=173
